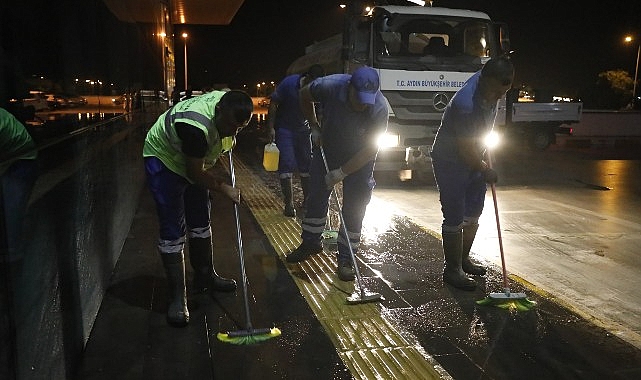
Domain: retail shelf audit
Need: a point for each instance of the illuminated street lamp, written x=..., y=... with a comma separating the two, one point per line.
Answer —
x=629, y=39
x=185, y=35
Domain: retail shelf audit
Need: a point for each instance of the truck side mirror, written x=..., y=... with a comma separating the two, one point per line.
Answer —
x=357, y=45
x=504, y=37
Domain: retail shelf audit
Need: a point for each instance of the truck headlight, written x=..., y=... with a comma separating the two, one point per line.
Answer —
x=492, y=140
x=387, y=140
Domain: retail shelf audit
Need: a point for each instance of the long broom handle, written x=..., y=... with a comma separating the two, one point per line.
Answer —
x=241, y=255
x=498, y=227
x=344, y=227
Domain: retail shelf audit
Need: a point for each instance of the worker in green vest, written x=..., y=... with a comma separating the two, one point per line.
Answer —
x=179, y=151
x=18, y=174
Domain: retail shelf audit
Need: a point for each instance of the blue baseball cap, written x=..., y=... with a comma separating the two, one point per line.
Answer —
x=365, y=81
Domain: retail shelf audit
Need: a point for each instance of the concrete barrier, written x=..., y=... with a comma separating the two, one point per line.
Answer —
x=608, y=123
x=618, y=129
x=76, y=222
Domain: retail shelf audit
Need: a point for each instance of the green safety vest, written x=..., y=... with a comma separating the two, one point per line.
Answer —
x=15, y=141
x=163, y=142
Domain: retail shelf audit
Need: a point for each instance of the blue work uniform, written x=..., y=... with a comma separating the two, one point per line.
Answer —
x=461, y=188
x=292, y=129
x=344, y=132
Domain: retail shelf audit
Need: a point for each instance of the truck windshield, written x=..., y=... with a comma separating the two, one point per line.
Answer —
x=419, y=42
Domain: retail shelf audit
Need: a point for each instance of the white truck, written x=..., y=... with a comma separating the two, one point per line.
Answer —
x=423, y=55
x=537, y=122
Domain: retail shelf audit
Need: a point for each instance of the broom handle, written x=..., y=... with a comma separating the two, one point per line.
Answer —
x=498, y=227
x=243, y=275
x=344, y=227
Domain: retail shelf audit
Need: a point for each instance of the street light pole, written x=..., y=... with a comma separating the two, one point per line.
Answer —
x=628, y=39
x=185, y=37
x=636, y=72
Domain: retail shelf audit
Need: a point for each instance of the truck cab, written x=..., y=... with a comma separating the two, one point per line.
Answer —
x=423, y=55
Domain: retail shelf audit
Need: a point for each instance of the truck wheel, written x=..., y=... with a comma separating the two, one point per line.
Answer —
x=541, y=140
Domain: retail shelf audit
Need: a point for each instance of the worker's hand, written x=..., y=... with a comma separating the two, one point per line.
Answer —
x=232, y=193
x=490, y=176
x=334, y=177
x=317, y=139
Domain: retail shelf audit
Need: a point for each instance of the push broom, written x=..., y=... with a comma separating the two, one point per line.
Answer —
x=507, y=299
x=249, y=335
x=361, y=295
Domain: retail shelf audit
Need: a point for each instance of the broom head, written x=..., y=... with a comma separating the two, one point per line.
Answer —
x=245, y=337
x=363, y=297
x=507, y=300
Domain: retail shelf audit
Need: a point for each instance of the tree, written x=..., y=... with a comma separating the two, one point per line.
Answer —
x=612, y=90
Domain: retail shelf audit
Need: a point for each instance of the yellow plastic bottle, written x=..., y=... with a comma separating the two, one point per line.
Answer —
x=270, y=157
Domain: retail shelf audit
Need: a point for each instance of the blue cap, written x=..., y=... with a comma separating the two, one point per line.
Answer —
x=365, y=81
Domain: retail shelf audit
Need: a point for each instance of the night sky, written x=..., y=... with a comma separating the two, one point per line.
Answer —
x=559, y=45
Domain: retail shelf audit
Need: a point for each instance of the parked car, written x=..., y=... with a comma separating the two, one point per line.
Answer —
x=38, y=100
x=119, y=100
x=57, y=101
x=76, y=101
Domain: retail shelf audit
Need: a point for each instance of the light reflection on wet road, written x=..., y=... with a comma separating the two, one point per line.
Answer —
x=562, y=230
x=472, y=341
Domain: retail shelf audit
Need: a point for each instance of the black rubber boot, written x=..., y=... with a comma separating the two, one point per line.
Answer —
x=304, y=184
x=453, y=273
x=202, y=261
x=177, y=312
x=469, y=232
x=303, y=252
x=286, y=188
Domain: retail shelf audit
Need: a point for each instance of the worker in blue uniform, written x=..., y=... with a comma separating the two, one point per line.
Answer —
x=290, y=130
x=460, y=167
x=354, y=114
x=180, y=152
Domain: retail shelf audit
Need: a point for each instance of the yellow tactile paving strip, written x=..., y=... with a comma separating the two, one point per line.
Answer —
x=366, y=342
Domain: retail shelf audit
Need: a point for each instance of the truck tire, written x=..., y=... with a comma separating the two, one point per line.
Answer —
x=541, y=140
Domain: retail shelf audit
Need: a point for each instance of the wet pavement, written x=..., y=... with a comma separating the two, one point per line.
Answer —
x=436, y=331
x=472, y=341
x=131, y=339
